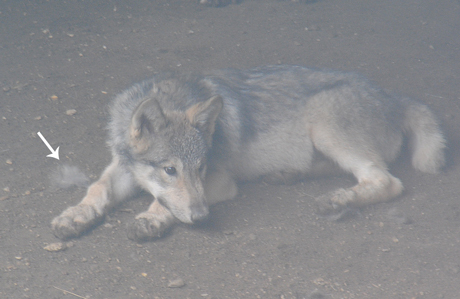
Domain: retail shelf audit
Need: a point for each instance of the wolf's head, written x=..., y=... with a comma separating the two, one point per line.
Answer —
x=169, y=148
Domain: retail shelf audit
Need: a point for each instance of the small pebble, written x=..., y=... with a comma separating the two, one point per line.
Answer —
x=9, y=161
x=71, y=112
x=176, y=283
x=54, y=97
x=55, y=247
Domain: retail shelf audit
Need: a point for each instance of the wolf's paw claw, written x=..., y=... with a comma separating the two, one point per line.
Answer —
x=143, y=229
x=74, y=221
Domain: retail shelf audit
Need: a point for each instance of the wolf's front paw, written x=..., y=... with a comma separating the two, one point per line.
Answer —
x=147, y=227
x=333, y=205
x=74, y=221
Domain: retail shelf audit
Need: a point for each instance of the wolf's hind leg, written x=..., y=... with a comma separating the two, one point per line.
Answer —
x=151, y=224
x=375, y=184
x=115, y=185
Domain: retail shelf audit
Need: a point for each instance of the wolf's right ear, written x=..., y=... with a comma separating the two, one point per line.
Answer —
x=147, y=118
x=204, y=114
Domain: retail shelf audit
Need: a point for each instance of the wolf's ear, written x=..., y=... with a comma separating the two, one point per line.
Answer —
x=147, y=118
x=204, y=114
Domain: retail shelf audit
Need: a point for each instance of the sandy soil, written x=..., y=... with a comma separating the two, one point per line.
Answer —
x=268, y=243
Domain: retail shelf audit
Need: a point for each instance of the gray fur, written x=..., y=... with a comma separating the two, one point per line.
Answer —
x=67, y=176
x=187, y=140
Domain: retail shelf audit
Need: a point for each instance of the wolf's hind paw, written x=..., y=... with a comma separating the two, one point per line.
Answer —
x=74, y=221
x=146, y=229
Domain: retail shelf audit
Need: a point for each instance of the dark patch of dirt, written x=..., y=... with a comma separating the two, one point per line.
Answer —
x=267, y=243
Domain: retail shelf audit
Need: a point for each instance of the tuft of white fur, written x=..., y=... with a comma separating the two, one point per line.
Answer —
x=66, y=176
x=427, y=141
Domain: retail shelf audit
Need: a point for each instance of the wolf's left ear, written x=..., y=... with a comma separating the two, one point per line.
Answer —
x=204, y=114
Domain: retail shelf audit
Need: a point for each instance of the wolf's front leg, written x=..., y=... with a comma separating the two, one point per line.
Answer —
x=115, y=185
x=151, y=224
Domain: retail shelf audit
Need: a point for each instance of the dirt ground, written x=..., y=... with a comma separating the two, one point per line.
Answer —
x=267, y=243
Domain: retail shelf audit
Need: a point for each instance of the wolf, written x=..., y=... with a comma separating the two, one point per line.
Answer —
x=188, y=139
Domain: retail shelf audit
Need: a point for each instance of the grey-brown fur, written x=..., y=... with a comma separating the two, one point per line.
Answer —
x=187, y=140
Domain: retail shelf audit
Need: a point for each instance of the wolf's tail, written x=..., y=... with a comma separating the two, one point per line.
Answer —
x=426, y=139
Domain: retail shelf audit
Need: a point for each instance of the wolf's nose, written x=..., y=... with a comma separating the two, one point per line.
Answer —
x=199, y=213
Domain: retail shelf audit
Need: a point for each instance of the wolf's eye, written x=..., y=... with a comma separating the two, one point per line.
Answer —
x=170, y=170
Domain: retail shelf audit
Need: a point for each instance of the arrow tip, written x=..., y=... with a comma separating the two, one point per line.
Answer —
x=54, y=154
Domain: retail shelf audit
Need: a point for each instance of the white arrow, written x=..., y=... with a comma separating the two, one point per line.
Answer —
x=54, y=153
